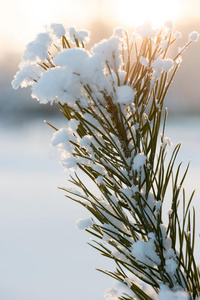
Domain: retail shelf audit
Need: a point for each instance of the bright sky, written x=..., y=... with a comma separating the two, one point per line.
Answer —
x=21, y=20
x=154, y=10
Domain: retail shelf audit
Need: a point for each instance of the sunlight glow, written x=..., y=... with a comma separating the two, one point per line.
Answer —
x=137, y=12
x=27, y=18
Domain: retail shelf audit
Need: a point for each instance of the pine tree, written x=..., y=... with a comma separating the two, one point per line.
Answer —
x=113, y=100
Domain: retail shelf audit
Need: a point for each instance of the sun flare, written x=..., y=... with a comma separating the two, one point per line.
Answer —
x=137, y=12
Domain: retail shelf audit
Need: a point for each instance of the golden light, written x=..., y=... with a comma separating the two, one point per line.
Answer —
x=27, y=18
x=137, y=12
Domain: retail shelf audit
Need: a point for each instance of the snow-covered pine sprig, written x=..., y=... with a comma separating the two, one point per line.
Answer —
x=112, y=97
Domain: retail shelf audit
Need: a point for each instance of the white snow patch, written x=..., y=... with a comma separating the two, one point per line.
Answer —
x=38, y=49
x=83, y=224
x=194, y=36
x=161, y=65
x=52, y=85
x=166, y=294
x=92, y=72
x=146, y=30
x=27, y=75
x=139, y=161
x=177, y=35
x=125, y=94
x=145, y=251
x=171, y=265
x=58, y=30
x=109, y=51
x=111, y=294
x=81, y=35
x=73, y=58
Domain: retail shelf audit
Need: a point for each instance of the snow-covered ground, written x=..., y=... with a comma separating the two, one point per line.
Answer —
x=42, y=254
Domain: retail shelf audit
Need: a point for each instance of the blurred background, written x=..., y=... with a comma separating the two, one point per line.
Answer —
x=42, y=254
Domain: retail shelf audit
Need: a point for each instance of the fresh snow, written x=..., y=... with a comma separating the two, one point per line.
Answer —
x=111, y=294
x=38, y=49
x=109, y=51
x=27, y=74
x=125, y=94
x=73, y=58
x=166, y=294
x=139, y=161
x=146, y=30
x=58, y=30
x=194, y=36
x=83, y=224
x=53, y=85
x=145, y=252
x=80, y=35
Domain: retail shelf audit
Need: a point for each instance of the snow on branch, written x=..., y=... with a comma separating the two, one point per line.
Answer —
x=112, y=97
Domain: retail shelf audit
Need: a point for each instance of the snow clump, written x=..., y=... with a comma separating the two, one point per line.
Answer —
x=109, y=52
x=83, y=224
x=145, y=252
x=125, y=94
x=111, y=294
x=139, y=161
x=80, y=35
x=58, y=30
x=27, y=75
x=193, y=36
x=166, y=294
x=146, y=30
x=38, y=49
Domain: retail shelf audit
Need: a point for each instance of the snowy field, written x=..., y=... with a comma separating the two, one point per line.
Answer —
x=42, y=254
